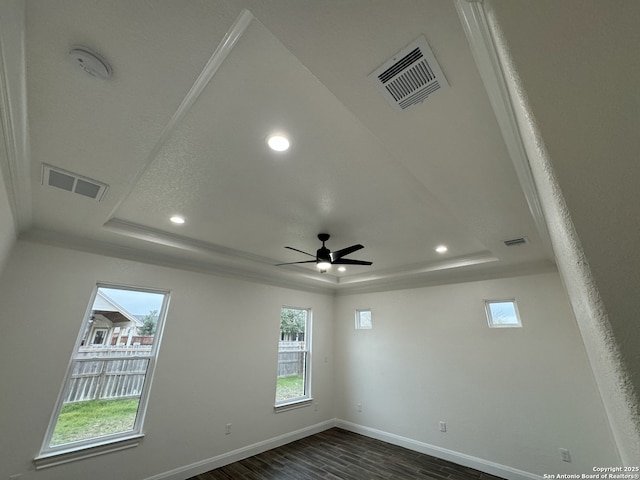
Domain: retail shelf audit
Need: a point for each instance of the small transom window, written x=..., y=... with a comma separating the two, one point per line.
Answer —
x=502, y=313
x=363, y=319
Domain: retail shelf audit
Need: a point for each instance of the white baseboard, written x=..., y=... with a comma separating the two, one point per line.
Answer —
x=460, y=458
x=439, y=452
x=245, y=452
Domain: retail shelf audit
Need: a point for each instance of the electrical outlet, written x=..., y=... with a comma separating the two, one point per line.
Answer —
x=358, y=407
x=315, y=406
x=565, y=455
x=443, y=426
x=227, y=429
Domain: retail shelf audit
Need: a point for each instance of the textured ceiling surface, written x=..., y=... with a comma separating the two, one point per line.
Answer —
x=181, y=128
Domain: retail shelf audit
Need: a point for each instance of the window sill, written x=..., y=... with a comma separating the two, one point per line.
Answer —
x=283, y=407
x=52, y=459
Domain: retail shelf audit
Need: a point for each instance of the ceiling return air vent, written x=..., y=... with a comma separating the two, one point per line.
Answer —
x=410, y=76
x=71, y=182
x=516, y=241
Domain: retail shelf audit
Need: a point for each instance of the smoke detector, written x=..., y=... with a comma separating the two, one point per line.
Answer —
x=91, y=62
x=410, y=76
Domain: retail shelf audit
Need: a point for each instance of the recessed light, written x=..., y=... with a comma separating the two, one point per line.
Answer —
x=441, y=249
x=342, y=269
x=278, y=143
x=177, y=219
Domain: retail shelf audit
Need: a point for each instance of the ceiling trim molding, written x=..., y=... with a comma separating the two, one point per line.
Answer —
x=283, y=278
x=393, y=274
x=216, y=60
x=219, y=260
x=436, y=278
x=233, y=259
x=264, y=276
x=483, y=47
x=14, y=160
x=215, y=253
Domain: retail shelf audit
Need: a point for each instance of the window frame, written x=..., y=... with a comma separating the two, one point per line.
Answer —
x=306, y=399
x=104, y=335
x=487, y=309
x=359, y=324
x=68, y=452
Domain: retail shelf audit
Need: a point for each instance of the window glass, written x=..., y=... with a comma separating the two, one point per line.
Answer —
x=363, y=319
x=502, y=313
x=106, y=387
x=293, y=356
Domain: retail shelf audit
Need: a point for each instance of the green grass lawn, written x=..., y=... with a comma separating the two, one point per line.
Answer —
x=289, y=387
x=94, y=418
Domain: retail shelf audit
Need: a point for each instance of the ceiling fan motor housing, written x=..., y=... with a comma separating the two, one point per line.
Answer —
x=323, y=255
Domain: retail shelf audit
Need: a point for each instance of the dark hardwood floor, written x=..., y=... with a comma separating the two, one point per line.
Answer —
x=339, y=454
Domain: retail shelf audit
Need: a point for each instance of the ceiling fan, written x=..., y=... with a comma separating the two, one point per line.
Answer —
x=324, y=257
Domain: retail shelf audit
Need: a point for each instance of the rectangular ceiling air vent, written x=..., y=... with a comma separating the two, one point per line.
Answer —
x=410, y=76
x=516, y=241
x=72, y=182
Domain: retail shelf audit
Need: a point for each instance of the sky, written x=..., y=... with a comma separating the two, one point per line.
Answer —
x=137, y=303
x=504, y=313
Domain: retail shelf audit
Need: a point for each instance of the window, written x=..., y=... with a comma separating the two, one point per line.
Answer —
x=99, y=336
x=293, y=379
x=107, y=385
x=363, y=319
x=502, y=313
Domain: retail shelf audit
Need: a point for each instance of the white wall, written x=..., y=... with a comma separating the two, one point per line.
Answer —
x=13, y=127
x=509, y=396
x=7, y=225
x=583, y=156
x=217, y=364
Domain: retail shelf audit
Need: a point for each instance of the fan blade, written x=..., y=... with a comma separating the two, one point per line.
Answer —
x=345, y=251
x=293, y=263
x=295, y=249
x=348, y=261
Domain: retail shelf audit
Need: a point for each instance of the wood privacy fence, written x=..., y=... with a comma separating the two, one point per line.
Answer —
x=101, y=373
x=291, y=358
x=108, y=372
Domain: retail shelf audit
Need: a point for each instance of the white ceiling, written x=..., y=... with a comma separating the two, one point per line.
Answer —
x=180, y=128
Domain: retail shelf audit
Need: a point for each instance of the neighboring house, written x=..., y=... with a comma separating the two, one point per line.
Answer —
x=110, y=324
